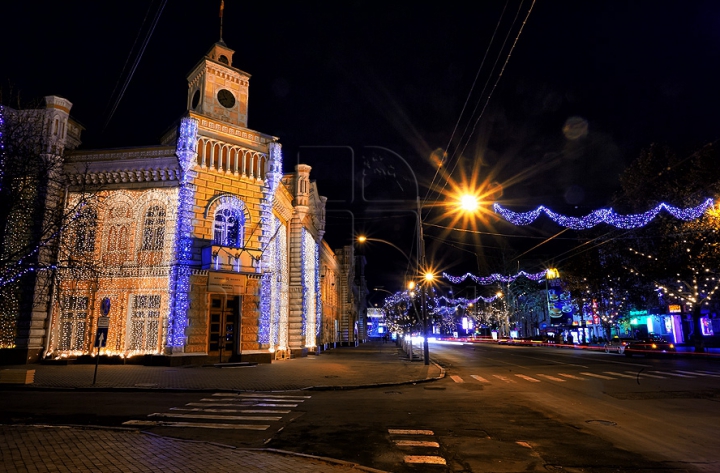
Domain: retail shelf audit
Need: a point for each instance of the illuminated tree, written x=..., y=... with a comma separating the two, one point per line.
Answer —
x=682, y=257
x=33, y=216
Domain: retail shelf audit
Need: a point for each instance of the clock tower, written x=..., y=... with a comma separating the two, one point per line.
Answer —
x=217, y=90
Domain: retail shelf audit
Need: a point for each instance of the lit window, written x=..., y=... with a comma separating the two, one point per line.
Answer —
x=154, y=229
x=229, y=226
x=144, y=323
x=85, y=235
x=73, y=323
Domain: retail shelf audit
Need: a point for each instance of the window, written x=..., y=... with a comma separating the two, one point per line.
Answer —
x=119, y=221
x=154, y=229
x=85, y=236
x=229, y=225
x=144, y=323
x=73, y=323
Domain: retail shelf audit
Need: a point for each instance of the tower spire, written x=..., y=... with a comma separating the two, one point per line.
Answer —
x=222, y=9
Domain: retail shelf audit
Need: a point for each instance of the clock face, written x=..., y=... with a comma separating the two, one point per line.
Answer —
x=226, y=98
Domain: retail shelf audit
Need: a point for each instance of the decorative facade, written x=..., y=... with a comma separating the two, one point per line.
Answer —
x=201, y=244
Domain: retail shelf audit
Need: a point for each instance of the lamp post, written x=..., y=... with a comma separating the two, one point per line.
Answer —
x=428, y=277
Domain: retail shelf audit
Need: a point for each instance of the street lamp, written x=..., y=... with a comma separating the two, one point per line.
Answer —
x=428, y=277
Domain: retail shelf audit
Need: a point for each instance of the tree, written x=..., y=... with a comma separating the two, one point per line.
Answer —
x=33, y=216
x=671, y=253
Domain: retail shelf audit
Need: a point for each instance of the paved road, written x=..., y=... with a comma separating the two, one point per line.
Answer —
x=88, y=448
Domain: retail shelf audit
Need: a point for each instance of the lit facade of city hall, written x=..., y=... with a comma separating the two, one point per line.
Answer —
x=201, y=244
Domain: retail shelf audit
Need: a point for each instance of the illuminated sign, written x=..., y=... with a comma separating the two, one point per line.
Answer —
x=674, y=308
x=633, y=313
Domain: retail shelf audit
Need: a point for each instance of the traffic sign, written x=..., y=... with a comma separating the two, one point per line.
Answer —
x=101, y=337
x=105, y=306
x=103, y=322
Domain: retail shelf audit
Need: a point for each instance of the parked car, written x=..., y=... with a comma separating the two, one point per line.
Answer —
x=651, y=346
x=617, y=345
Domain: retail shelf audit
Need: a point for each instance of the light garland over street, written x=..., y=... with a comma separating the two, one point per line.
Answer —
x=495, y=277
x=604, y=216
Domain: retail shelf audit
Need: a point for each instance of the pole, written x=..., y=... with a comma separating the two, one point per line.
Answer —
x=97, y=361
x=421, y=264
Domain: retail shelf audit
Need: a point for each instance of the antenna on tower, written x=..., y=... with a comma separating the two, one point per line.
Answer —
x=222, y=8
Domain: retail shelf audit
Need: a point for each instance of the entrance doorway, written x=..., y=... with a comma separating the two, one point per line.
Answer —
x=224, y=333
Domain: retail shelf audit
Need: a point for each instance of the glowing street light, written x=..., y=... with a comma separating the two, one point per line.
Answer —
x=468, y=203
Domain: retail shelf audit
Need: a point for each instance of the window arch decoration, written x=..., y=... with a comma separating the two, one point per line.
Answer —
x=229, y=216
x=119, y=223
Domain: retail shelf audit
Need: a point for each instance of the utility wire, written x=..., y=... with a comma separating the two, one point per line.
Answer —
x=148, y=35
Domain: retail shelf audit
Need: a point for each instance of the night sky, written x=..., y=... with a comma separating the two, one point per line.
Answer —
x=369, y=94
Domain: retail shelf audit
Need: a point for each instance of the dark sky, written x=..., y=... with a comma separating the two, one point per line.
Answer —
x=366, y=91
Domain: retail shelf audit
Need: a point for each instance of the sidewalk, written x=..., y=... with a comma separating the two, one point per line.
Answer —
x=74, y=449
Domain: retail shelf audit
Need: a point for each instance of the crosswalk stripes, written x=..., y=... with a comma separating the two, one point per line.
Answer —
x=552, y=378
x=528, y=378
x=422, y=448
x=246, y=413
x=620, y=375
x=586, y=375
x=646, y=375
x=593, y=375
x=504, y=378
x=669, y=373
x=565, y=375
x=699, y=373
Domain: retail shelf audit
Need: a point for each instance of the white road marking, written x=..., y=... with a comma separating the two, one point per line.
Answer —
x=621, y=375
x=700, y=373
x=274, y=396
x=457, y=379
x=528, y=378
x=553, y=378
x=504, y=378
x=479, y=378
x=673, y=374
x=645, y=374
x=198, y=425
x=237, y=404
x=242, y=411
x=709, y=372
x=565, y=375
x=416, y=443
x=593, y=375
x=253, y=400
x=433, y=460
x=215, y=417
x=410, y=432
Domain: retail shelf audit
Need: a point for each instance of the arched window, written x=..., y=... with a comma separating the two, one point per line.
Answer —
x=85, y=235
x=229, y=226
x=154, y=229
x=119, y=222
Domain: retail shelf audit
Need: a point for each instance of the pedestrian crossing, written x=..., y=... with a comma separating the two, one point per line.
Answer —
x=587, y=375
x=227, y=411
x=418, y=446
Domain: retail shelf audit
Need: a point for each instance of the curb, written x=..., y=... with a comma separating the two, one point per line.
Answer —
x=378, y=385
x=26, y=387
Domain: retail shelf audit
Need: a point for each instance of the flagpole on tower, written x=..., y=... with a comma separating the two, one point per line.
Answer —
x=222, y=8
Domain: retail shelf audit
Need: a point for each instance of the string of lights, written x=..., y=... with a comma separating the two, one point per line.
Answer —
x=608, y=216
x=465, y=302
x=495, y=277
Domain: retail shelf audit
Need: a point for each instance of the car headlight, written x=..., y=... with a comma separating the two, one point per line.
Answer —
x=672, y=346
x=653, y=346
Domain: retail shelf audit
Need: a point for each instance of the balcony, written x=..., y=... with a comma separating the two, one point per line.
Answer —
x=236, y=260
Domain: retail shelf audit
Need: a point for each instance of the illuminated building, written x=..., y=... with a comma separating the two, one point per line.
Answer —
x=204, y=248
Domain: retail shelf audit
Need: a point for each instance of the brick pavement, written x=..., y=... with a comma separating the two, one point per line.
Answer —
x=79, y=450
x=60, y=449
